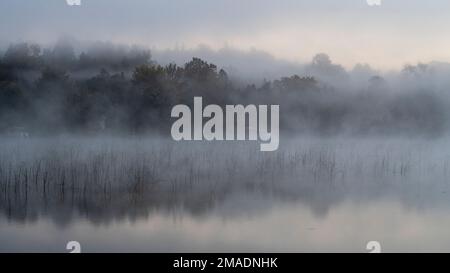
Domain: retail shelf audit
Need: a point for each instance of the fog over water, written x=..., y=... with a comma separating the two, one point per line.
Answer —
x=142, y=194
x=86, y=152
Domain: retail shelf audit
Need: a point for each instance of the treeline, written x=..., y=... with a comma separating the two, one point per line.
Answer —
x=113, y=89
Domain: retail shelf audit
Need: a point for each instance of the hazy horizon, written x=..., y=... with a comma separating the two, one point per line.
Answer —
x=388, y=36
x=143, y=126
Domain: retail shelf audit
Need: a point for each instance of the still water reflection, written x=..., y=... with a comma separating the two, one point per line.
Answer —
x=283, y=227
x=315, y=196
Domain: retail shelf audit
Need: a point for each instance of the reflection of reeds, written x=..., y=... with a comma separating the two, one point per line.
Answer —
x=103, y=173
x=102, y=169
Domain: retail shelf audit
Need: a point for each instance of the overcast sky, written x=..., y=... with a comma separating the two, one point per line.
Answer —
x=350, y=31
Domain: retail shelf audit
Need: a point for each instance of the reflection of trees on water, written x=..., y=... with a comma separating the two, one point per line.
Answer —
x=105, y=181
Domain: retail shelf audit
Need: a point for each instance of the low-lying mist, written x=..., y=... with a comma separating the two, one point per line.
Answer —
x=108, y=179
x=84, y=145
x=105, y=88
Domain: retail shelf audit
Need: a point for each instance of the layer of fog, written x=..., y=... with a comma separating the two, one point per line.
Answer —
x=116, y=179
x=319, y=97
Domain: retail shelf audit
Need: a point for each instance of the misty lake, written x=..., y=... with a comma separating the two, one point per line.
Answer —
x=147, y=195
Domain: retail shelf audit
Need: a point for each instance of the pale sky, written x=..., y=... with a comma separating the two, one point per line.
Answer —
x=350, y=31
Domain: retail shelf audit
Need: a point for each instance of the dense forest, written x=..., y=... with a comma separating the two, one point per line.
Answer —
x=58, y=90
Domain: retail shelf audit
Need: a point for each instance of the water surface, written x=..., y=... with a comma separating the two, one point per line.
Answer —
x=146, y=195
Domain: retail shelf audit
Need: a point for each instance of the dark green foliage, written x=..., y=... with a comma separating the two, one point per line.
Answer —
x=110, y=89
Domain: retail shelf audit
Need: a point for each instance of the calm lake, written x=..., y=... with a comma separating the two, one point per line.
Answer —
x=147, y=195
